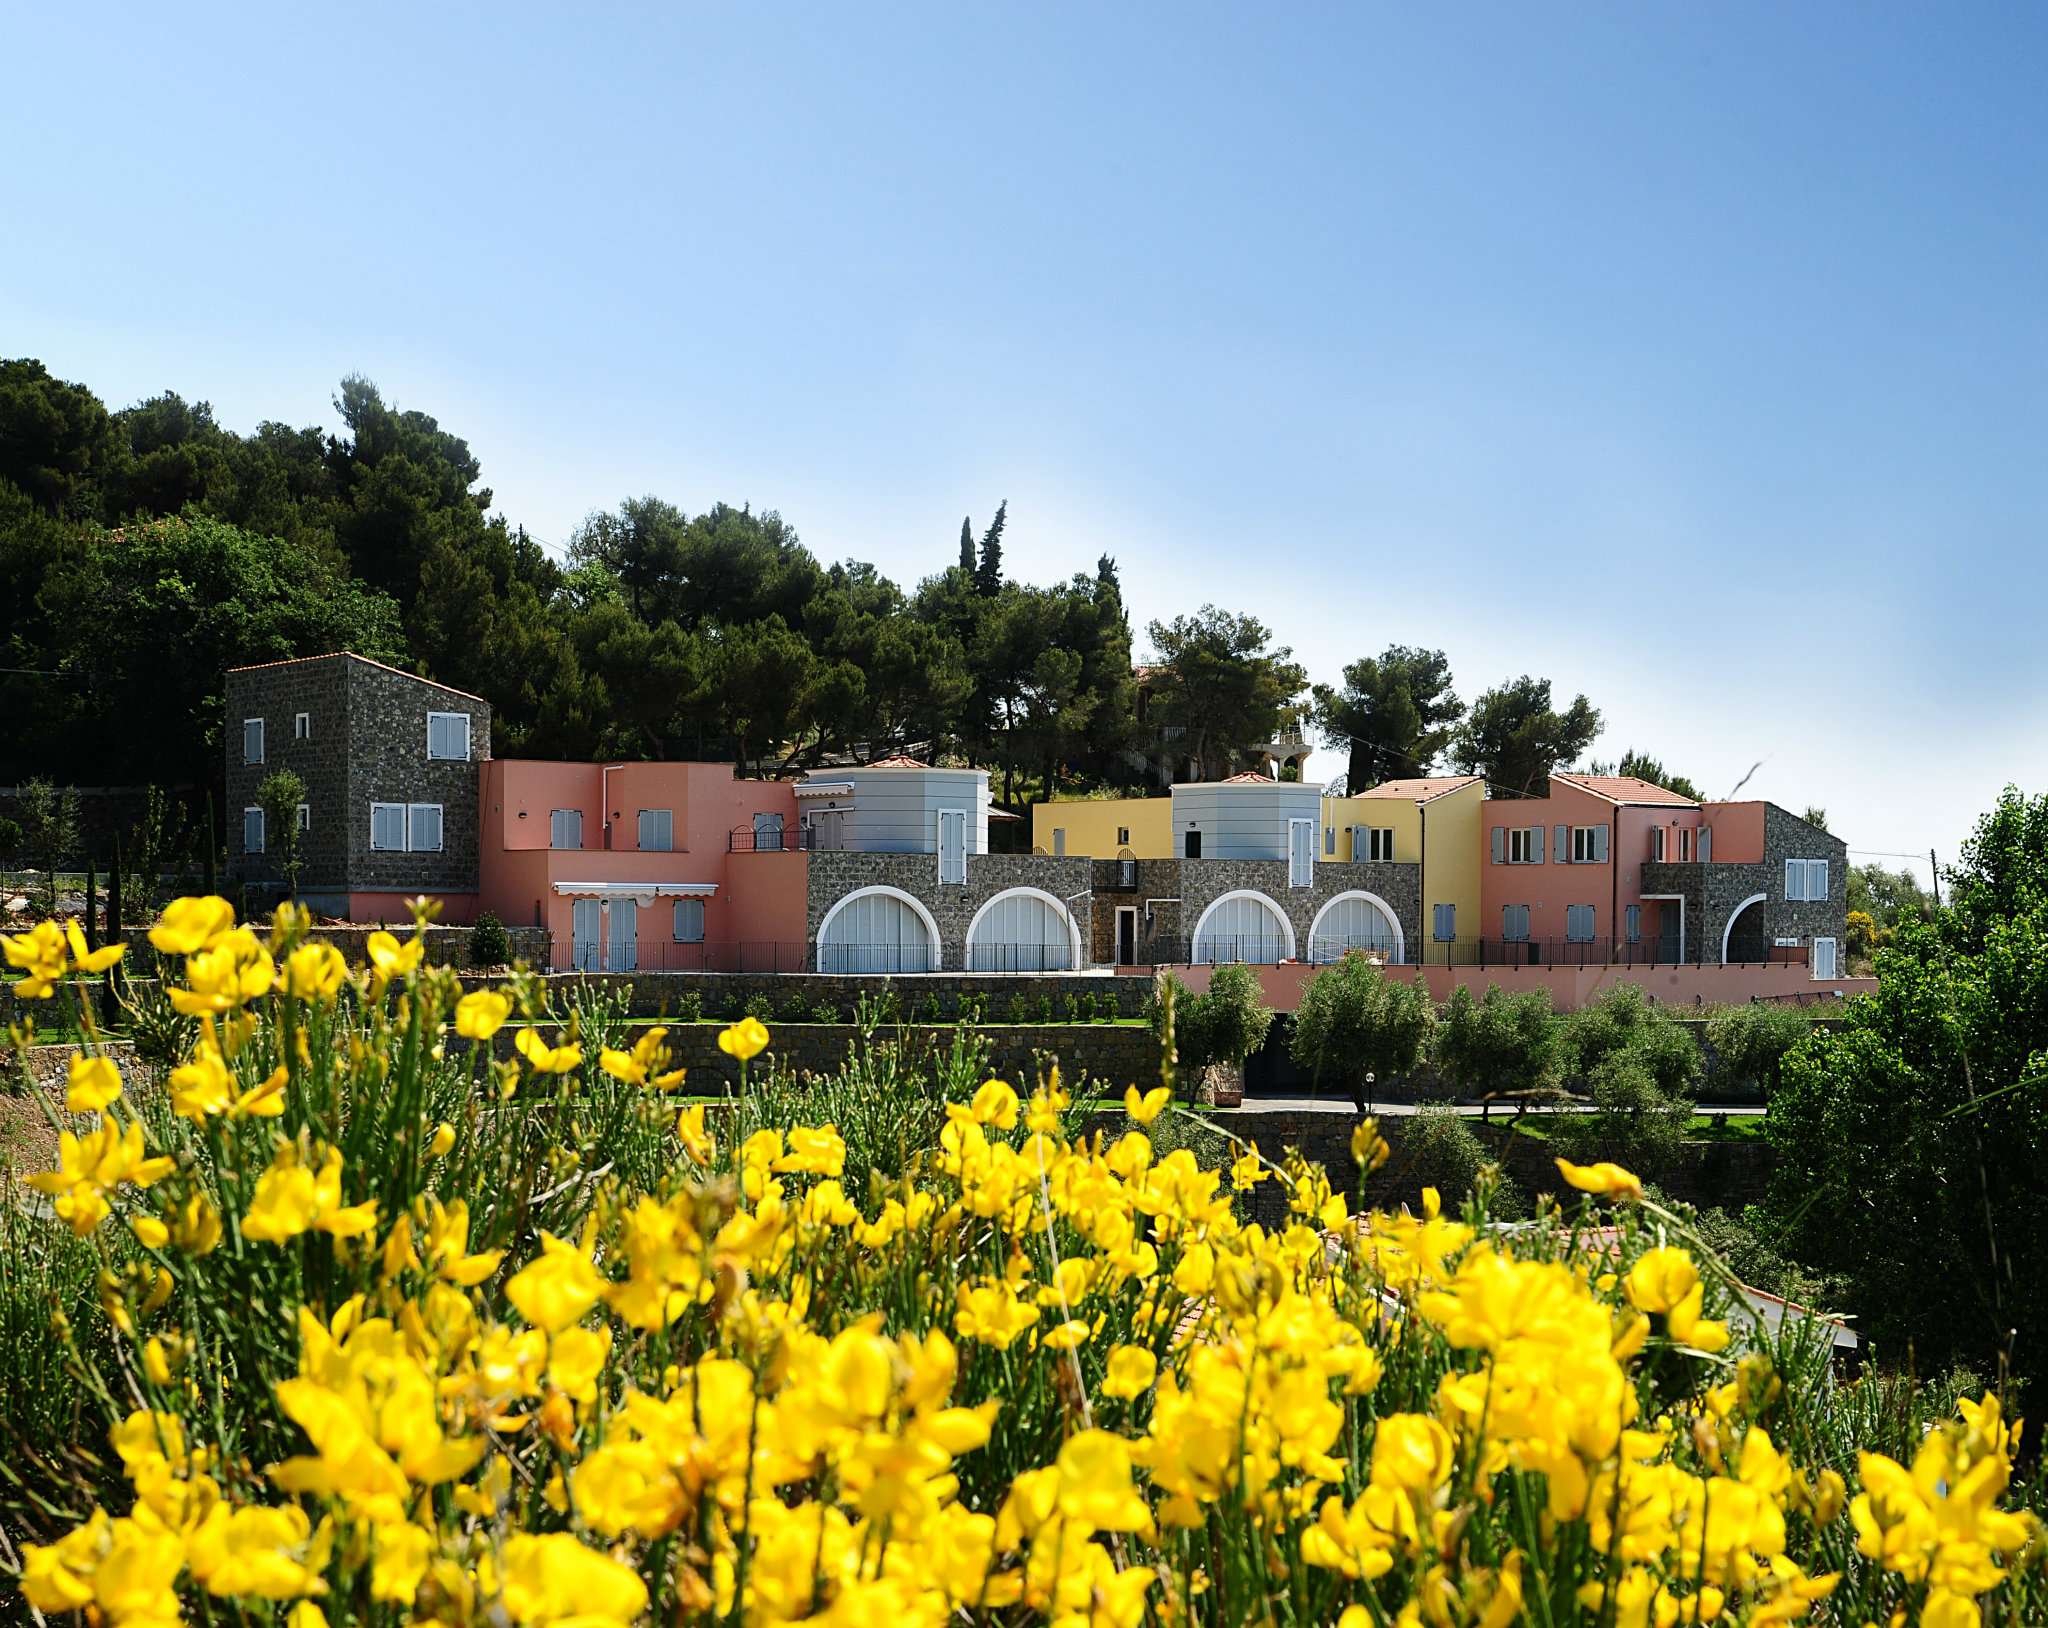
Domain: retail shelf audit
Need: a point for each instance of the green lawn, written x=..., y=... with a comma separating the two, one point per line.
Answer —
x=1703, y=1127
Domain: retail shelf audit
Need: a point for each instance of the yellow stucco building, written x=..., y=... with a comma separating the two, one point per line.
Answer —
x=1105, y=827
x=1433, y=822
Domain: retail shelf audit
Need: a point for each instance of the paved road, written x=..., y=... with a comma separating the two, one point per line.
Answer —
x=1396, y=1110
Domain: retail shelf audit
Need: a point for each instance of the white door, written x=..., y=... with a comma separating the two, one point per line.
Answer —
x=586, y=922
x=1823, y=958
x=625, y=946
x=952, y=847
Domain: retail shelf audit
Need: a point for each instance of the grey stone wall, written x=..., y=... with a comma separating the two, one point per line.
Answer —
x=725, y=994
x=388, y=763
x=1155, y=896
x=1203, y=881
x=276, y=694
x=1713, y=892
x=834, y=875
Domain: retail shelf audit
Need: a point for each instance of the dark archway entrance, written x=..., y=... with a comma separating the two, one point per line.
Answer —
x=1746, y=935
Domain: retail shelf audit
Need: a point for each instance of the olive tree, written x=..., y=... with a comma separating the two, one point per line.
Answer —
x=1502, y=1045
x=1359, y=1027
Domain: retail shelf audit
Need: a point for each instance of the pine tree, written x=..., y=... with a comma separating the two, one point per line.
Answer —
x=988, y=575
x=967, y=544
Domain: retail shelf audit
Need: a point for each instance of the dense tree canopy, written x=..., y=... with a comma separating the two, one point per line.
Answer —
x=1516, y=741
x=145, y=550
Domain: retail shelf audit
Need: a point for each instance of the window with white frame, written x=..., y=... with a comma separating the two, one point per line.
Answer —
x=1656, y=842
x=1823, y=958
x=252, y=830
x=1578, y=923
x=565, y=828
x=1377, y=845
x=1684, y=842
x=252, y=740
x=1514, y=922
x=952, y=847
x=1806, y=879
x=1589, y=845
x=1123, y=836
x=305, y=816
x=657, y=830
x=689, y=921
x=448, y=736
x=1524, y=844
x=405, y=828
x=1443, y=922
x=1301, y=853
x=302, y=726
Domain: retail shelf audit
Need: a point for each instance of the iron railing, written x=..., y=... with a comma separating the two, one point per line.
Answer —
x=1263, y=950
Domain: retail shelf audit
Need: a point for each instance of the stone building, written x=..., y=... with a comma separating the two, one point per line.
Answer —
x=389, y=762
x=1761, y=885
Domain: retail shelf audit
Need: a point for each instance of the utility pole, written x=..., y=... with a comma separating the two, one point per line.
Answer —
x=1934, y=874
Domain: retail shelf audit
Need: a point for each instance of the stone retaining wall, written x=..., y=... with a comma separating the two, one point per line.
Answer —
x=725, y=994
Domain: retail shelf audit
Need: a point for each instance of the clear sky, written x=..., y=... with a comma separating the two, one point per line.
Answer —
x=1693, y=356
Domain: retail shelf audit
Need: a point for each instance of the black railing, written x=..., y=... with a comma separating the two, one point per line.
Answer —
x=1219, y=948
x=653, y=954
x=746, y=839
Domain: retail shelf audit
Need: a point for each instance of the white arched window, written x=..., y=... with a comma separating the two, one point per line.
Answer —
x=1022, y=930
x=1354, y=921
x=878, y=930
x=1243, y=927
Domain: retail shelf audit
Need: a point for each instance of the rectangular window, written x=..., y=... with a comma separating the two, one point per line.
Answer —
x=1123, y=836
x=302, y=726
x=952, y=847
x=423, y=828
x=1329, y=842
x=657, y=830
x=252, y=740
x=305, y=816
x=1635, y=924
x=1578, y=923
x=1514, y=922
x=1301, y=853
x=1444, y=922
x=1589, y=845
x=1059, y=841
x=565, y=828
x=1656, y=842
x=1684, y=843
x=1522, y=844
x=1191, y=845
x=387, y=827
x=689, y=921
x=448, y=736
x=1806, y=879
x=252, y=830
x=1380, y=844
x=1823, y=958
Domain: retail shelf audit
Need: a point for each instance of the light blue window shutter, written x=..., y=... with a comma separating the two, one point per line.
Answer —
x=1564, y=844
x=1500, y=844
x=1535, y=844
x=1705, y=848
x=1599, y=844
x=1795, y=878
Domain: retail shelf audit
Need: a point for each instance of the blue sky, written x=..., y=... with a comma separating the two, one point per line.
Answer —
x=1694, y=357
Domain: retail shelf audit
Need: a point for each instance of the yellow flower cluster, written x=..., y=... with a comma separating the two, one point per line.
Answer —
x=1027, y=1374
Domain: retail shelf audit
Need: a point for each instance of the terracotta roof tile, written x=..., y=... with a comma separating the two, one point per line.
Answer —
x=1422, y=788
x=899, y=761
x=1625, y=788
x=1250, y=779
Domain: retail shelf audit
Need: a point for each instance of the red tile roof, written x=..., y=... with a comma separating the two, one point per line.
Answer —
x=899, y=761
x=1250, y=779
x=1625, y=788
x=1422, y=788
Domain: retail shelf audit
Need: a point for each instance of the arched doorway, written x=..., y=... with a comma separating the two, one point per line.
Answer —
x=1355, y=920
x=1023, y=929
x=878, y=929
x=1243, y=926
x=1743, y=938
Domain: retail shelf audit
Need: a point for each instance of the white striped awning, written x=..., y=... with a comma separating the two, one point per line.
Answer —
x=642, y=893
x=824, y=788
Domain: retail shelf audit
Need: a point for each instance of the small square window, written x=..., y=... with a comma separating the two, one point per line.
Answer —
x=1123, y=836
x=656, y=832
x=689, y=921
x=448, y=736
x=305, y=816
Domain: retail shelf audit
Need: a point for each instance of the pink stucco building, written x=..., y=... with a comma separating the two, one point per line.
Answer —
x=645, y=864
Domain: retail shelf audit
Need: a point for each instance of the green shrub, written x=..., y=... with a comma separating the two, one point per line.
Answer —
x=1041, y=1009
x=1438, y=1148
x=489, y=944
x=826, y=1012
x=1501, y=1046
x=689, y=1007
x=761, y=1007
x=1020, y=1009
x=1638, y=1064
x=1071, y=1005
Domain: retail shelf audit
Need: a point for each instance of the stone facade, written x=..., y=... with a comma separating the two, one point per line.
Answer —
x=1203, y=881
x=1715, y=893
x=1148, y=887
x=725, y=995
x=833, y=876
x=366, y=742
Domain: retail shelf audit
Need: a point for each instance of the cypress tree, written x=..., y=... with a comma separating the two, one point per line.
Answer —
x=988, y=575
x=967, y=544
